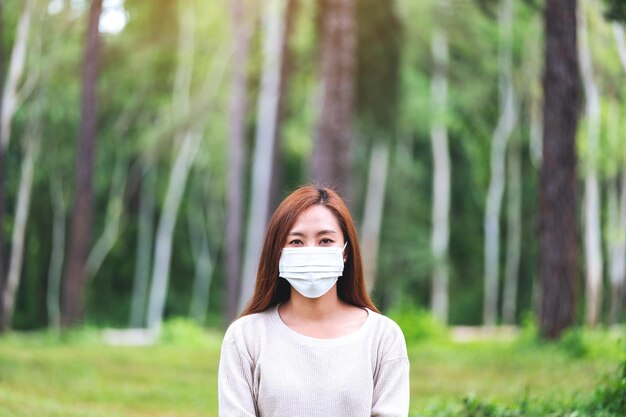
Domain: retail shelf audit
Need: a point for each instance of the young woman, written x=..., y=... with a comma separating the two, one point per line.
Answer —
x=311, y=343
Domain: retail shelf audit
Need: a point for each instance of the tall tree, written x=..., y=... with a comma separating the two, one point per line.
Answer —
x=558, y=179
x=267, y=126
x=236, y=154
x=592, y=238
x=501, y=135
x=10, y=97
x=187, y=141
x=73, y=302
x=379, y=34
x=331, y=160
x=440, y=235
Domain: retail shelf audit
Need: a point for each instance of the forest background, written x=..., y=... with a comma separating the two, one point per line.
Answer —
x=146, y=142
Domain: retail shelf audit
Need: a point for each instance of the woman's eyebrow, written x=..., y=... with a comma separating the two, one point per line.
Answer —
x=326, y=232
x=321, y=232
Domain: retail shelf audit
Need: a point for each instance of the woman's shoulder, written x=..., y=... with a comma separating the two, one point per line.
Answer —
x=389, y=335
x=250, y=325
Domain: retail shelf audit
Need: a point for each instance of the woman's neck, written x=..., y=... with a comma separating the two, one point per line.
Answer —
x=313, y=309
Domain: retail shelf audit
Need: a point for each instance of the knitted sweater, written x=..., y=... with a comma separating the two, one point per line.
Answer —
x=269, y=370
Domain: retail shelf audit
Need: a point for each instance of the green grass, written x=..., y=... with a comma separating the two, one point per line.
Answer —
x=77, y=375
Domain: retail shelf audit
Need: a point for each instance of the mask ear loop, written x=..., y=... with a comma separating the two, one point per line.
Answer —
x=345, y=258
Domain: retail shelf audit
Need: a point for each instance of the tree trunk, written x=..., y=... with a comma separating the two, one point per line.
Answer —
x=114, y=220
x=76, y=274
x=165, y=230
x=144, y=248
x=283, y=103
x=593, y=249
x=558, y=180
x=16, y=71
x=616, y=242
x=267, y=119
x=179, y=173
x=441, y=177
x=19, y=228
x=513, y=234
x=202, y=258
x=237, y=157
x=373, y=212
x=504, y=129
x=55, y=269
x=8, y=99
x=331, y=160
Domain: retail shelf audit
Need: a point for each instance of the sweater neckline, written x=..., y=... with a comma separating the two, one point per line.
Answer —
x=315, y=341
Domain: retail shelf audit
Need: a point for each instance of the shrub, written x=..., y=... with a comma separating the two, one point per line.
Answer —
x=417, y=325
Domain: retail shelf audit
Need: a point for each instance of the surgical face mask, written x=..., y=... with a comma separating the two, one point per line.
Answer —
x=312, y=271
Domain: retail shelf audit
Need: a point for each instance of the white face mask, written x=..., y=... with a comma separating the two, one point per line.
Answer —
x=312, y=271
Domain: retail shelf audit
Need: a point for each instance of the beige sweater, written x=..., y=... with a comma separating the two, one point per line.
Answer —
x=269, y=370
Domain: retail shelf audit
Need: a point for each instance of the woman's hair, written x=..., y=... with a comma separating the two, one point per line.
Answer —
x=271, y=290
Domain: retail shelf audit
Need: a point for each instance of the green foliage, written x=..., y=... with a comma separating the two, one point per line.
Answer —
x=615, y=10
x=418, y=325
x=180, y=331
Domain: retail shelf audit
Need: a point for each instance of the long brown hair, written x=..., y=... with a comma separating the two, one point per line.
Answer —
x=270, y=290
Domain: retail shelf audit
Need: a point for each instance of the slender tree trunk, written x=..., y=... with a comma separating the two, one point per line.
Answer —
x=331, y=160
x=558, y=180
x=267, y=119
x=202, y=258
x=55, y=269
x=616, y=240
x=9, y=99
x=165, y=230
x=593, y=246
x=373, y=212
x=73, y=302
x=504, y=129
x=10, y=96
x=441, y=177
x=179, y=173
x=144, y=248
x=283, y=103
x=514, y=235
x=19, y=229
x=237, y=157
x=114, y=220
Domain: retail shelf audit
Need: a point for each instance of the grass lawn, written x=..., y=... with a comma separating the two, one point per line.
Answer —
x=41, y=376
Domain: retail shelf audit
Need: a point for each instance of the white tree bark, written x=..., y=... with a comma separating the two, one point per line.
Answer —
x=55, y=268
x=144, y=248
x=178, y=176
x=165, y=230
x=441, y=177
x=19, y=227
x=506, y=125
x=592, y=239
x=10, y=97
x=114, y=220
x=616, y=246
x=203, y=261
x=267, y=117
x=373, y=211
x=514, y=235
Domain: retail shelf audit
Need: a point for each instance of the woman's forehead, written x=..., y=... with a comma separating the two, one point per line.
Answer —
x=316, y=217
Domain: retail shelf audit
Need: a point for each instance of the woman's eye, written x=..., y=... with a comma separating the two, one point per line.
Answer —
x=295, y=242
x=326, y=241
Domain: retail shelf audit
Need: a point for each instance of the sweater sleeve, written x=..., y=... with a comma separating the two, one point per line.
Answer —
x=391, y=389
x=391, y=392
x=235, y=386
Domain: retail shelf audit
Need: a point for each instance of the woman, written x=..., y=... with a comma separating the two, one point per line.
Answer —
x=310, y=342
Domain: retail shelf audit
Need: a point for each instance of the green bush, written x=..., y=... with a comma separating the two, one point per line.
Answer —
x=417, y=325
x=183, y=332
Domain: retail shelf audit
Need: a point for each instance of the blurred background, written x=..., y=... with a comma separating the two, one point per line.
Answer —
x=145, y=143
